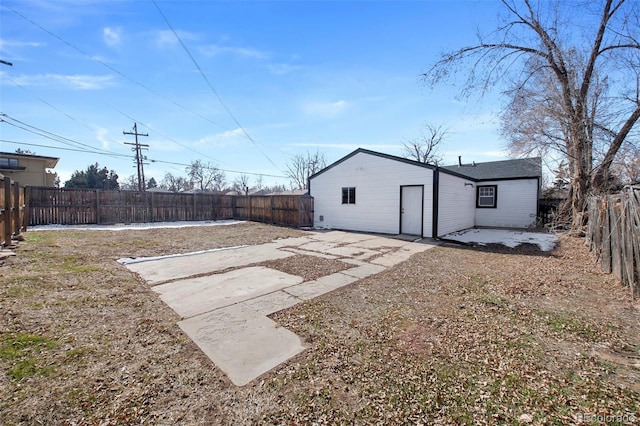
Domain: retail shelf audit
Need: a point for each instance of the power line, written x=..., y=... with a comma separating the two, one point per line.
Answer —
x=147, y=159
x=120, y=73
x=222, y=170
x=163, y=135
x=64, y=149
x=46, y=134
x=50, y=105
x=215, y=92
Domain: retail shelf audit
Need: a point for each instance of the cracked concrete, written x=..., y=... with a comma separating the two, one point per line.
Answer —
x=225, y=313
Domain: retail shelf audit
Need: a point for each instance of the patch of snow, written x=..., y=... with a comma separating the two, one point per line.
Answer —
x=137, y=226
x=509, y=238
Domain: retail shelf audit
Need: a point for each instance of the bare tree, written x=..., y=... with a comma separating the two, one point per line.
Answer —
x=205, y=177
x=175, y=183
x=241, y=184
x=130, y=183
x=425, y=147
x=573, y=82
x=627, y=166
x=301, y=167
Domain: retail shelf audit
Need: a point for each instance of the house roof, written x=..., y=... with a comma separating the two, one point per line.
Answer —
x=50, y=162
x=506, y=169
x=375, y=153
x=494, y=170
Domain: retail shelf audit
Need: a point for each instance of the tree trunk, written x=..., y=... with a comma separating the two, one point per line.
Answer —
x=579, y=193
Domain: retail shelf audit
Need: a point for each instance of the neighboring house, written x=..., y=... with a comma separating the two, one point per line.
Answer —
x=374, y=192
x=28, y=170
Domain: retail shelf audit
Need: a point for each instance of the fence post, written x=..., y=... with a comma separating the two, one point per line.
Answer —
x=98, y=207
x=273, y=216
x=193, y=216
x=27, y=210
x=17, y=206
x=153, y=209
x=8, y=226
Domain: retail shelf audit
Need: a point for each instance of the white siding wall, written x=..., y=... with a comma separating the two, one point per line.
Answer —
x=377, y=181
x=456, y=204
x=517, y=204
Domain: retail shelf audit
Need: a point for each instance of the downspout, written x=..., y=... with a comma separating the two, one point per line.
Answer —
x=436, y=186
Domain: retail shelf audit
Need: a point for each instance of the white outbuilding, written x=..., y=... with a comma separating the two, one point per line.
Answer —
x=374, y=192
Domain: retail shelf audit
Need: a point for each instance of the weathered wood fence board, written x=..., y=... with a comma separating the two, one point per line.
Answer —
x=613, y=233
x=12, y=210
x=91, y=206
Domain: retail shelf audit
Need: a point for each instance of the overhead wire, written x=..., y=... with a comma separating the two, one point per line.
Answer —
x=65, y=149
x=62, y=139
x=163, y=135
x=50, y=105
x=113, y=69
x=222, y=170
x=44, y=133
x=206, y=79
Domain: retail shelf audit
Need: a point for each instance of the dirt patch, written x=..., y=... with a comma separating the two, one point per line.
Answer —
x=452, y=336
x=308, y=267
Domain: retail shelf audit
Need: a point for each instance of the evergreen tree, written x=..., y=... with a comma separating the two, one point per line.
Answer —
x=93, y=178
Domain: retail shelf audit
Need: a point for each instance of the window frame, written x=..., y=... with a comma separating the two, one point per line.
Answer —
x=348, y=195
x=8, y=163
x=494, y=197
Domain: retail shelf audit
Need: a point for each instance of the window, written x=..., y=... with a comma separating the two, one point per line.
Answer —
x=9, y=163
x=487, y=196
x=349, y=195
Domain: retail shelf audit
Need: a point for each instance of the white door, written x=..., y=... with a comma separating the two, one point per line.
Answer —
x=411, y=210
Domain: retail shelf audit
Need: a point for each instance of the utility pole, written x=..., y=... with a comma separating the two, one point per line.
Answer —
x=138, y=147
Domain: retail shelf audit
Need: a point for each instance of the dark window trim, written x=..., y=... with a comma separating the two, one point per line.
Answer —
x=7, y=163
x=495, y=197
x=348, y=195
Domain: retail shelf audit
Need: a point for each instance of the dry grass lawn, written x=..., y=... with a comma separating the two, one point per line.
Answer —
x=452, y=336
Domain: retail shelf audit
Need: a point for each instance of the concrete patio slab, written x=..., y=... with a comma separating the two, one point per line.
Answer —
x=225, y=313
x=404, y=253
x=342, y=237
x=353, y=251
x=310, y=289
x=195, y=296
x=167, y=269
x=243, y=347
x=317, y=246
x=310, y=253
x=378, y=242
x=364, y=271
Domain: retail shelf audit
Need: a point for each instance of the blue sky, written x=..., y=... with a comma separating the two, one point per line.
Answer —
x=282, y=78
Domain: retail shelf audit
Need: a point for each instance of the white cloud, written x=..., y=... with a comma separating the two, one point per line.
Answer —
x=227, y=138
x=282, y=69
x=166, y=38
x=6, y=45
x=326, y=109
x=112, y=36
x=101, y=136
x=247, y=52
x=78, y=81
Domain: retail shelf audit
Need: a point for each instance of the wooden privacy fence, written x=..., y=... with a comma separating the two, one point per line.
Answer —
x=12, y=210
x=613, y=233
x=94, y=206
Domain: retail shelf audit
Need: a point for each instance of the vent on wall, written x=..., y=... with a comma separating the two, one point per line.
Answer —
x=321, y=218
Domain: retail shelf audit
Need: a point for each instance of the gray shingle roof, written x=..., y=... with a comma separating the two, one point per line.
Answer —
x=507, y=169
